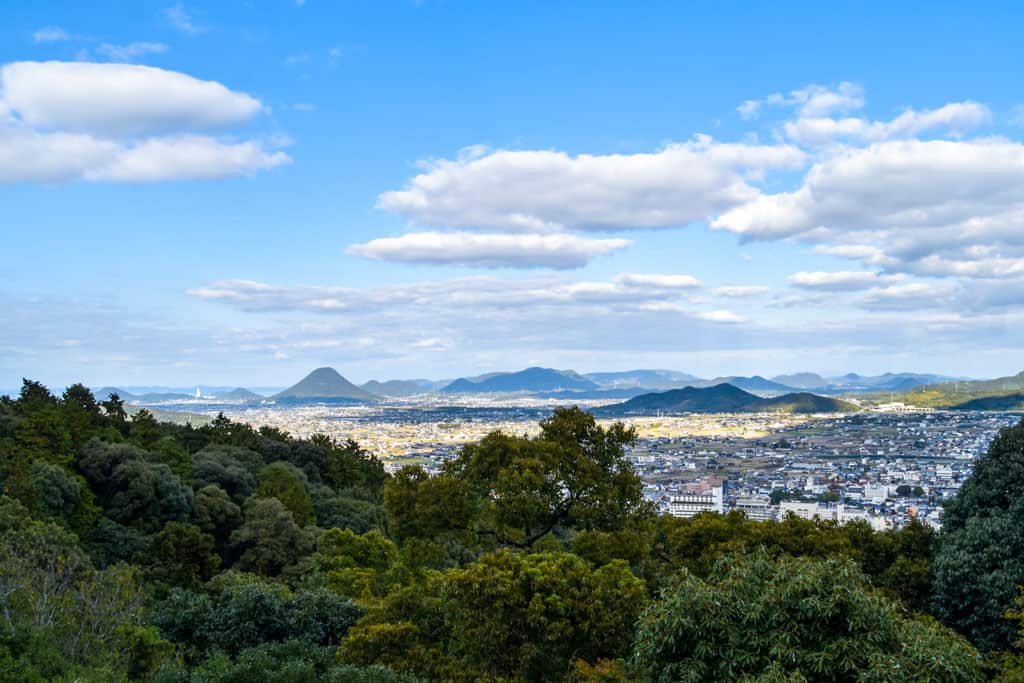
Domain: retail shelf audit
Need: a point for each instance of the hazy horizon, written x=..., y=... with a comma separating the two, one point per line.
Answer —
x=270, y=388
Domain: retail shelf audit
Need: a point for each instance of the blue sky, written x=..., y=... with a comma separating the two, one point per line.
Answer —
x=440, y=188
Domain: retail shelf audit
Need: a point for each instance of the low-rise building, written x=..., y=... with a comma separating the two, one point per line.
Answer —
x=756, y=508
x=692, y=503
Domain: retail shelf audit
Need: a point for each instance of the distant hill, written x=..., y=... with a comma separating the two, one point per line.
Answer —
x=649, y=379
x=804, y=402
x=802, y=380
x=1007, y=402
x=162, y=396
x=961, y=394
x=721, y=398
x=725, y=398
x=324, y=383
x=890, y=381
x=240, y=394
x=755, y=384
x=151, y=397
x=530, y=380
x=104, y=393
x=400, y=387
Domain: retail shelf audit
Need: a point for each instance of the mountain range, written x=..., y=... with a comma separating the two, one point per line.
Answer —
x=402, y=387
x=664, y=390
x=530, y=380
x=544, y=381
x=647, y=379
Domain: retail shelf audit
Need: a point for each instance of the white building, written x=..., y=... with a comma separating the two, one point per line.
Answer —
x=692, y=504
x=830, y=513
x=799, y=509
x=876, y=493
x=756, y=508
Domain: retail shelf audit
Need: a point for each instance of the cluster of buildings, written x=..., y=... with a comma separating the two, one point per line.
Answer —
x=884, y=466
x=759, y=508
x=880, y=468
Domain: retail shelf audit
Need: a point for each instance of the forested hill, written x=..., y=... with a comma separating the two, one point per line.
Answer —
x=988, y=394
x=136, y=550
x=725, y=398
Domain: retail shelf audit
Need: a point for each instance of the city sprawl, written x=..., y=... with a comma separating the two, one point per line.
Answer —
x=885, y=466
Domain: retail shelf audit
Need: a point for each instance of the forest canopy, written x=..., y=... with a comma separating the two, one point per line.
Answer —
x=138, y=550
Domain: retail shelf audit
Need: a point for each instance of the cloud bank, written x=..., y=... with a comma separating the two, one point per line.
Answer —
x=559, y=251
x=69, y=121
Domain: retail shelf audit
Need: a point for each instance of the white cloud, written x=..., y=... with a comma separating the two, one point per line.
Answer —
x=129, y=52
x=625, y=292
x=62, y=122
x=50, y=158
x=628, y=312
x=549, y=191
x=749, y=109
x=932, y=207
x=816, y=100
x=28, y=156
x=180, y=19
x=840, y=281
x=489, y=250
x=810, y=101
x=860, y=252
x=911, y=296
x=658, y=281
x=721, y=316
x=954, y=118
x=118, y=99
x=186, y=158
x=434, y=344
x=739, y=291
x=50, y=34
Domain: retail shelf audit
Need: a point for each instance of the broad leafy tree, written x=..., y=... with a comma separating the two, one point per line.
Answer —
x=979, y=564
x=792, y=619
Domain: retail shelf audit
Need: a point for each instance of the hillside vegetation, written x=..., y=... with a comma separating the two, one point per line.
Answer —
x=138, y=550
x=997, y=392
x=726, y=398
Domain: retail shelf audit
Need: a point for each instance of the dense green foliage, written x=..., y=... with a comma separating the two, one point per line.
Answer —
x=132, y=549
x=755, y=618
x=981, y=563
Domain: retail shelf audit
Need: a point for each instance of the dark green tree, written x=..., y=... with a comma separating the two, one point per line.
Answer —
x=82, y=415
x=180, y=555
x=254, y=613
x=287, y=484
x=978, y=566
x=269, y=540
x=216, y=514
x=232, y=469
x=791, y=619
x=554, y=608
x=144, y=430
x=344, y=510
x=514, y=491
